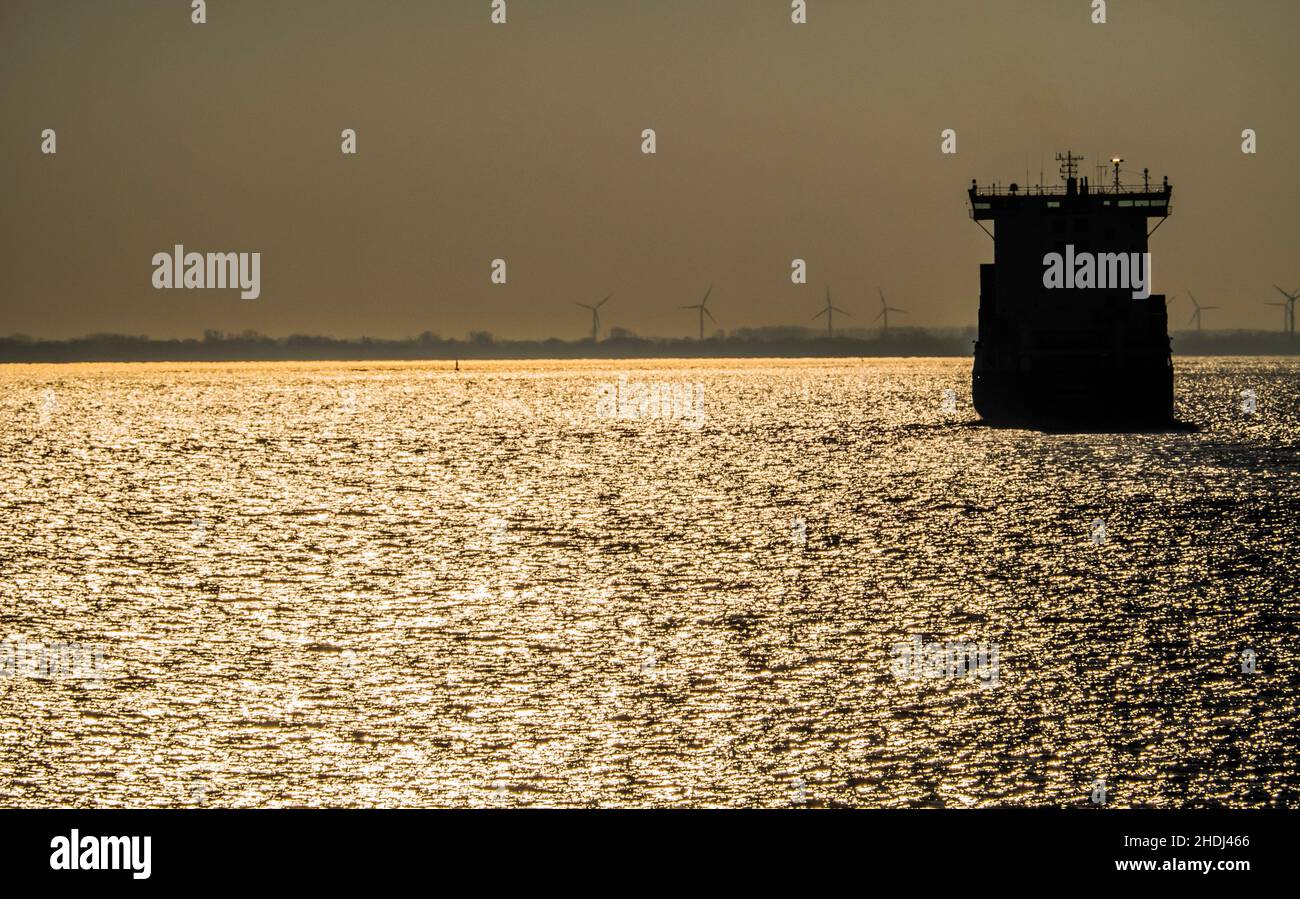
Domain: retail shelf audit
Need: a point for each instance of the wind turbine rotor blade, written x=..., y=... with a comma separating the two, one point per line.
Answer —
x=706, y=295
x=709, y=314
x=1194, y=317
x=603, y=302
x=879, y=316
x=819, y=314
x=842, y=312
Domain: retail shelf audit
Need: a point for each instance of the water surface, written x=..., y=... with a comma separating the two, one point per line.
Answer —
x=377, y=584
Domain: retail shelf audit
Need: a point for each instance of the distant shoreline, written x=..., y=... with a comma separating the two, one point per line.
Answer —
x=778, y=343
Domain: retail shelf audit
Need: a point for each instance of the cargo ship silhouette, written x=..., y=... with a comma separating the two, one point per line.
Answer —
x=1085, y=350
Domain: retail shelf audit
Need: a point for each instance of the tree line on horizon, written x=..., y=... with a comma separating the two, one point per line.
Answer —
x=792, y=340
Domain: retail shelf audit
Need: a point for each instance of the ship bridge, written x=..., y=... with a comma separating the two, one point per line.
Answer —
x=1074, y=195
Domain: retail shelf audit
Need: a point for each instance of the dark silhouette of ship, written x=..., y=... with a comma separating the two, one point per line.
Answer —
x=1085, y=355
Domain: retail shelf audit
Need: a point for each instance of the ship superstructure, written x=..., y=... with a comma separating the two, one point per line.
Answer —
x=1054, y=343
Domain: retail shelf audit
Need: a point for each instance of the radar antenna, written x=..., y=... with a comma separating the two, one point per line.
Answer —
x=1069, y=164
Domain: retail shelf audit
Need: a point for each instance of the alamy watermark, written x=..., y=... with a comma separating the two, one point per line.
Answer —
x=1098, y=794
x=1076, y=271
x=918, y=660
x=179, y=269
x=45, y=412
x=51, y=661
x=102, y=853
x=664, y=400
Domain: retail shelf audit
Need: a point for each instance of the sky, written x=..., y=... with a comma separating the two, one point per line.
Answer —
x=523, y=142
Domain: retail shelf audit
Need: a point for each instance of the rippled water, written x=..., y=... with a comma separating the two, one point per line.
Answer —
x=400, y=585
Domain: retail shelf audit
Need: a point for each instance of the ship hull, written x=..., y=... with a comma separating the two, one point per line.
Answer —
x=1096, y=396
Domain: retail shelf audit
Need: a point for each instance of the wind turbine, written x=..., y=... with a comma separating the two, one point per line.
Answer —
x=829, y=312
x=885, y=309
x=1288, y=315
x=595, y=317
x=703, y=310
x=1196, y=316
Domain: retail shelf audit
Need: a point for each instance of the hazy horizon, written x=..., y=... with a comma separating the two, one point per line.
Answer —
x=786, y=343
x=522, y=141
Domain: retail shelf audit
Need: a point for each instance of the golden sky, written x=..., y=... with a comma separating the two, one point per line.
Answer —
x=523, y=141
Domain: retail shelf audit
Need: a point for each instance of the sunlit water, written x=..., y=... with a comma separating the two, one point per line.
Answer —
x=399, y=585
